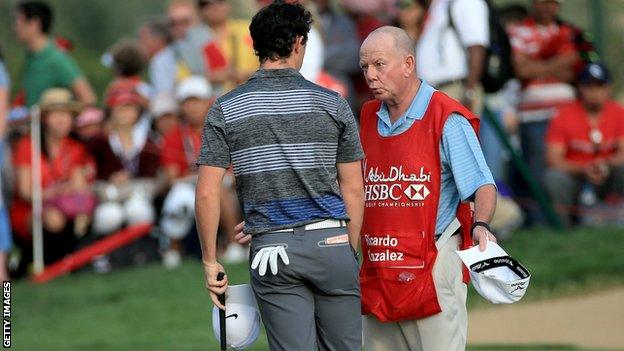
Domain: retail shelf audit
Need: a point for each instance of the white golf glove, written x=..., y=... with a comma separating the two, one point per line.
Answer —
x=268, y=256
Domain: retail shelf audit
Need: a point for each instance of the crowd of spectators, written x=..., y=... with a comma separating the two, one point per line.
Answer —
x=129, y=157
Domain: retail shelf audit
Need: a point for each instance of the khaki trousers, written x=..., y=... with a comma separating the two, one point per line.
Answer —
x=445, y=331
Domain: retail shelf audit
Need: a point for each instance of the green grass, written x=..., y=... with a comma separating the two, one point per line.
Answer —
x=150, y=308
x=566, y=262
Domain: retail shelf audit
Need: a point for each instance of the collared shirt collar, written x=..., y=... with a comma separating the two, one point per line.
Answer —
x=276, y=73
x=416, y=111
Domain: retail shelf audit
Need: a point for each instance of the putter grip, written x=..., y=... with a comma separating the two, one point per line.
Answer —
x=220, y=277
x=222, y=331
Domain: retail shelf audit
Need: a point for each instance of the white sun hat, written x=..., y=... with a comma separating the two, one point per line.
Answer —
x=193, y=87
x=497, y=277
x=242, y=318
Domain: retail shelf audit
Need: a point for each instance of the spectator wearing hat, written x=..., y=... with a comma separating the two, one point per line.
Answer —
x=165, y=112
x=179, y=155
x=181, y=145
x=46, y=66
x=585, y=143
x=127, y=161
x=67, y=170
x=180, y=148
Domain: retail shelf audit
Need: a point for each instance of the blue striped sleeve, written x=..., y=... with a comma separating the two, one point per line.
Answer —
x=462, y=153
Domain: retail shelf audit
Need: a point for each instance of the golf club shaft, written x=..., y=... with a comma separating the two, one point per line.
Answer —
x=220, y=276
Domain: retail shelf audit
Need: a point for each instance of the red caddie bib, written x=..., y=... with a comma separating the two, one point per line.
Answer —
x=402, y=191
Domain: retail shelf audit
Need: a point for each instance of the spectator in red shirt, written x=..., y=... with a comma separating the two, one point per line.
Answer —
x=181, y=144
x=585, y=143
x=180, y=149
x=127, y=165
x=66, y=172
x=544, y=56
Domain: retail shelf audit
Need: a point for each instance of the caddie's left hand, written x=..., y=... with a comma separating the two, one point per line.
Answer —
x=480, y=235
x=267, y=256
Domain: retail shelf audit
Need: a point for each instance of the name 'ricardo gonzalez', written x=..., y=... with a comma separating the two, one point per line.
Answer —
x=384, y=255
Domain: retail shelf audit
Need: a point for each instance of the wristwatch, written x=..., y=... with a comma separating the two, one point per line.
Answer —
x=479, y=224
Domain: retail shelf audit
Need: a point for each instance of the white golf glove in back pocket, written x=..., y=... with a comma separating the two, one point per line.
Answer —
x=267, y=256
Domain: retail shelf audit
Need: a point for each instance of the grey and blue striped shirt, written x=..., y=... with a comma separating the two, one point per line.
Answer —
x=283, y=136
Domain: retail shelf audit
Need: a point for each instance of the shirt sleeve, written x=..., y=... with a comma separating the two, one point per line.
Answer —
x=463, y=154
x=556, y=130
x=21, y=155
x=470, y=18
x=214, y=150
x=67, y=71
x=349, y=146
x=162, y=72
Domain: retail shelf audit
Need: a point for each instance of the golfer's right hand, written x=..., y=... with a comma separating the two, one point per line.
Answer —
x=241, y=237
x=214, y=286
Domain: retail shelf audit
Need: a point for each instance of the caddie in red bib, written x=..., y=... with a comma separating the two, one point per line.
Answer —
x=423, y=161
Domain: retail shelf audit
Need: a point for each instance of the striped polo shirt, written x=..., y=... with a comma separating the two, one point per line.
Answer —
x=283, y=136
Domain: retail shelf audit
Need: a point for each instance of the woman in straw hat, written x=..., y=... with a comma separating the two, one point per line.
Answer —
x=66, y=171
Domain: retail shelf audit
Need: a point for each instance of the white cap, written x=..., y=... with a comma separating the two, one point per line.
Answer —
x=178, y=212
x=242, y=318
x=195, y=86
x=497, y=277
x=162, y=104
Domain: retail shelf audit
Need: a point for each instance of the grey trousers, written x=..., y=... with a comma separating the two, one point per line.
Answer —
x=564, y=189
x=314, y=302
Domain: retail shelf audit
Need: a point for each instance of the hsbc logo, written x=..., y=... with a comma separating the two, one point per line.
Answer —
x=416, y=192
x=394, y=192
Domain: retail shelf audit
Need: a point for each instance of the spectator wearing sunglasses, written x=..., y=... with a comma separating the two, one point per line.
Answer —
x=189, y=36
x=228, y=56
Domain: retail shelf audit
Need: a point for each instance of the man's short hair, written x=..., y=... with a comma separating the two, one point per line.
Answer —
x=275, y=28
x=127, y=58
x=37, y=10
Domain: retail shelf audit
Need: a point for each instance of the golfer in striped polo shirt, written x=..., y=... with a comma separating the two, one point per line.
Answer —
x=295, y=151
